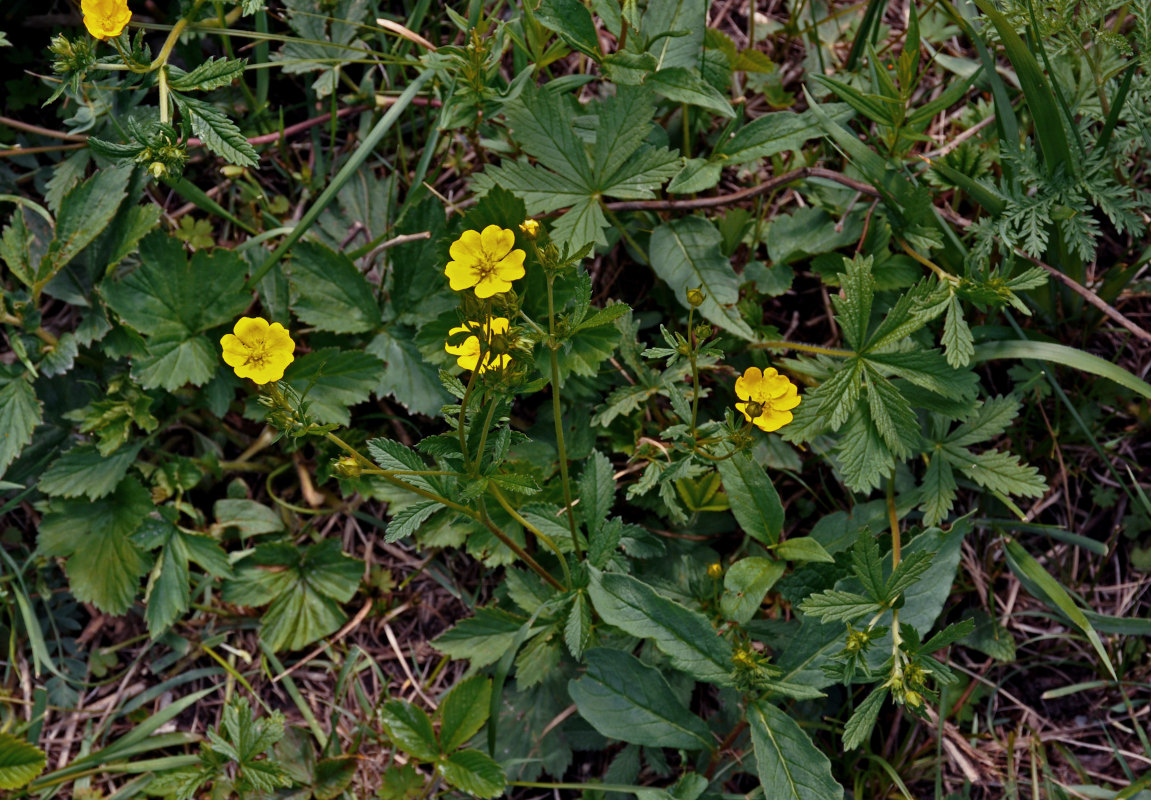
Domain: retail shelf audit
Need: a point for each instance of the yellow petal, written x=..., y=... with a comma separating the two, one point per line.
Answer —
x=251, y=330
x=491, y=285
x=461, y=275
x=787, y=401
x=511, y=267
x=747, y=384
x=773, y=421
x=467, y=248
x=497, y=241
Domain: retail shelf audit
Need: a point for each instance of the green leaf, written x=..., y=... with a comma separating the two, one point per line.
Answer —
x=891, y=413
x=1036, y=91
x=482, y=639
x=596, y=492
x=625, y=699
x=213, y=73
x=464, y=711
x=577, y=629
x=853, y=309
x=21, y=412
x=304, y=589
x=687, y=20
x=83, y=471
x=686, y=86
x=836, y=605
x=745, y=584
x=333, y=776
x=250, y=517
x=171, y=361
x=790, y=766
x=218, y=133
x=406, y=376
x=473, y=772
x=574, y=24
x=166, y=597
x=685, y=253
x=684, y=635
x=20, y=762
x=868, y=567
x=997, y=471
x=938, y=490
x=84, y=213
x=910, y=568
x=803, y=548
x=863, y=456
x=333, y=380
x=862, y=722
x=171, y=294
x=409, y=519
x=753, y=498
x=104, y=566
x=1039, y=582
x=332, y=293
x=1067, y=356
x=957, y=340
x=776, y=133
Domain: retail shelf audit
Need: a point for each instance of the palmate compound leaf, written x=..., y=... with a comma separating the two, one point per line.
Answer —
x=330, y=291
x=623, y=166
x=20, y=762
x=218, y=133
x=789, y=764
x=104, y=565
x=625, y=699
x=304, y=589
x=172, y=300
x=167, y=596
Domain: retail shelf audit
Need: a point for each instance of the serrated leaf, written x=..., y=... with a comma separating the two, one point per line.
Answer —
x=473, y=772
x=20, y=762
x=907, y=573
x=625, y=699
x=577, y=629
x=84, y=471
x=790, y=767
x=775, y=133
x=803, y=548
x=573, y=22
x=482, y=639
x=406, y=376
x=752, y=497
x=332, y=293
x=464, y=711
x=409, y=519
x=21, y=411
x=596, y=492
x=334, y=380
x=836, y=605
x=84, y=213
x=250, y=517
x=211, y=74
x=104, y=566
x=891, y=414
x=862, y=722
x=687, y=20
x=938, y=491
x=171, y=361
x=218, y=133
x=684, y=635
x=863, y=456
x=853, y=309
x=685, y=253
x=958, y=343
x=990, y=420
x=868, y=568
x=998, y=471
x=410, y=728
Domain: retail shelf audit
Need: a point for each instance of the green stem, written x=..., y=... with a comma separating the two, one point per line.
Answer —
x=561, y=448
x=782, y=344
x=543, y=537
x=519, y=551
x=463, y=416
x=484, y=434
x=691, y=357
x=163, y=79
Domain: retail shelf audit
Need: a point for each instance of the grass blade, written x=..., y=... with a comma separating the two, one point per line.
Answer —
x=1061, y=354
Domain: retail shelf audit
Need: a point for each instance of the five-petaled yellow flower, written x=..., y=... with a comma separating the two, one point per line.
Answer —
x=258, y=350
x=105, y=18
x=486, y=260
x=468, y=353
x=768, y=398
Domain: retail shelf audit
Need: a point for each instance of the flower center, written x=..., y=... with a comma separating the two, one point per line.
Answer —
x=257, y=355
x=485, y=267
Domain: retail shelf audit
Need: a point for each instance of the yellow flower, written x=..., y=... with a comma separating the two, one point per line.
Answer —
x=468, y=353
x=486, y=261
x=530, y=228
x=258, y=350
x=105, y=18
x=769, y=398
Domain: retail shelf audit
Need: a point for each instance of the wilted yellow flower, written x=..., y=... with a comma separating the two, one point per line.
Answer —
x=258, y=350
x=468, y=353
x=485, y=259
x=769, y=398
x=105, y=18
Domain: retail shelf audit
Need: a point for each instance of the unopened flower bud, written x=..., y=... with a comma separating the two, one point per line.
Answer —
x=702, y=331
x=157, y=169
x=753, y=409
x=715, y=571
x=695, y=297
x=348, y=467
x=530, y=228
x=913, y=699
